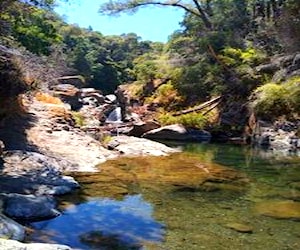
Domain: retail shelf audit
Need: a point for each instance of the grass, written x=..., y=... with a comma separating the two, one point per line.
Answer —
x=46, y=98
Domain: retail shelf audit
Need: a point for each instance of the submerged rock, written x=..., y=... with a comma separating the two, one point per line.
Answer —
x=15, y=245
x=30, y=207
x=179, y=133
x=10, y=229
x=239, y=227
x=279, y=209
x=173, y=173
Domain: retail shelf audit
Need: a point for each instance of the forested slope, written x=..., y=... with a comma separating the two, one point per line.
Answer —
x=246, y=52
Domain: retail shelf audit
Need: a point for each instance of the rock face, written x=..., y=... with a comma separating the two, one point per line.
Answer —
x=282, y=67
x=281, y=136
x=179, y=133
x=279, y=209
x=29, y=207
x=15, y=245
x=10, y=229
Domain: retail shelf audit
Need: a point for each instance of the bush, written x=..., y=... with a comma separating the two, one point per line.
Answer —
x=273, y=100
x=191, y=120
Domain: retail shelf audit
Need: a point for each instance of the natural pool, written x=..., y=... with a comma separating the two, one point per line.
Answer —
x=208, y=197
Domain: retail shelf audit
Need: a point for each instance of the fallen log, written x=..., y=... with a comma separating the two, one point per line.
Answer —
x=199, y=107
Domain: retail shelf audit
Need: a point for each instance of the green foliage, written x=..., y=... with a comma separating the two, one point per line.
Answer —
x=191, y=120
x=165, y=96
x=274, y=100
x=79, y=119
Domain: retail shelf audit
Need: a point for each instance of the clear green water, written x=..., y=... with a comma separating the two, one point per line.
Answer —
x=160, y=203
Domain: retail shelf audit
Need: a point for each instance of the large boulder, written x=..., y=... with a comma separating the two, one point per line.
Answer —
x=133, y=146
x=141, y=128
x=33, y=173
x=10, y=229
x=68, y=94
x=29, y=207
x=178, y=132
x=15, y=245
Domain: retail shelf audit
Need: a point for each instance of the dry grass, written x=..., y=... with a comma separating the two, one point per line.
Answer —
x=46, y=98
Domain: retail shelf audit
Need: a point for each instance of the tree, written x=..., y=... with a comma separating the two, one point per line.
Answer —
x=194, y=7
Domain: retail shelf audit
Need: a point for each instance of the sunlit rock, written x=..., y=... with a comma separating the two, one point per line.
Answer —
x=15, y=245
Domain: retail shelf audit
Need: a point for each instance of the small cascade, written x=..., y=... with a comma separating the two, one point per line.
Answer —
x=115, y=116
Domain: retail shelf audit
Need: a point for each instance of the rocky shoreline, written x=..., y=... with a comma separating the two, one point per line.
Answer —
x=39, y=148
x=33, y=162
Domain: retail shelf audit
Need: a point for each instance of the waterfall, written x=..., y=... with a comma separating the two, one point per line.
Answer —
x=115, y=116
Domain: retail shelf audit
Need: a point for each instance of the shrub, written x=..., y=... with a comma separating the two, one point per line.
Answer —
x=273, y=100
x=191, y=120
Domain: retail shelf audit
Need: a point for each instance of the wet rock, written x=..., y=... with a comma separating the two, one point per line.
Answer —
x=179, y=133
x=29, y=207
x=180, y=172
x=141, y=128
x=15, y=245
x=279, y=209
x=10, y=229
x=239, y=227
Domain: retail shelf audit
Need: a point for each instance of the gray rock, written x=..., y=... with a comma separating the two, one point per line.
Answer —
x=30, y=207
x=30, y=172
x=10, y=229
x=133, y=146
x=179, y=133
x=110, y=99
x=268, y=68
x=143, y=127
x=15, y=245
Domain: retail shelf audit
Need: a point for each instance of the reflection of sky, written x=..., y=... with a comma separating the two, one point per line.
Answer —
x=130, y=220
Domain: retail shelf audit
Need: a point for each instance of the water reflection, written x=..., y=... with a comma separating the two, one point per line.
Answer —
x=103, y=224
x=194, y=196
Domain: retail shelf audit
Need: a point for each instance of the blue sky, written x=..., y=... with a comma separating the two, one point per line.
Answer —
x=150, y=23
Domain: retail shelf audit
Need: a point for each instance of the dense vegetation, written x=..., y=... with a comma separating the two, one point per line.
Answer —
x=216, y=52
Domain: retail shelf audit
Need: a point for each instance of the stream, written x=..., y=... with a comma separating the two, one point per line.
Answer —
x=210, y=196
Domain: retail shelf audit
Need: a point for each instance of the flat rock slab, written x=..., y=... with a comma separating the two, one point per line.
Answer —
x=279, y=209
x=133, y=146
x=29, y=207
x=15, y=245
x=177, y=132
x=10, y=229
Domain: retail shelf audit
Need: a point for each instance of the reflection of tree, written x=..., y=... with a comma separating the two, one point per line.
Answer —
x=98, y=240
